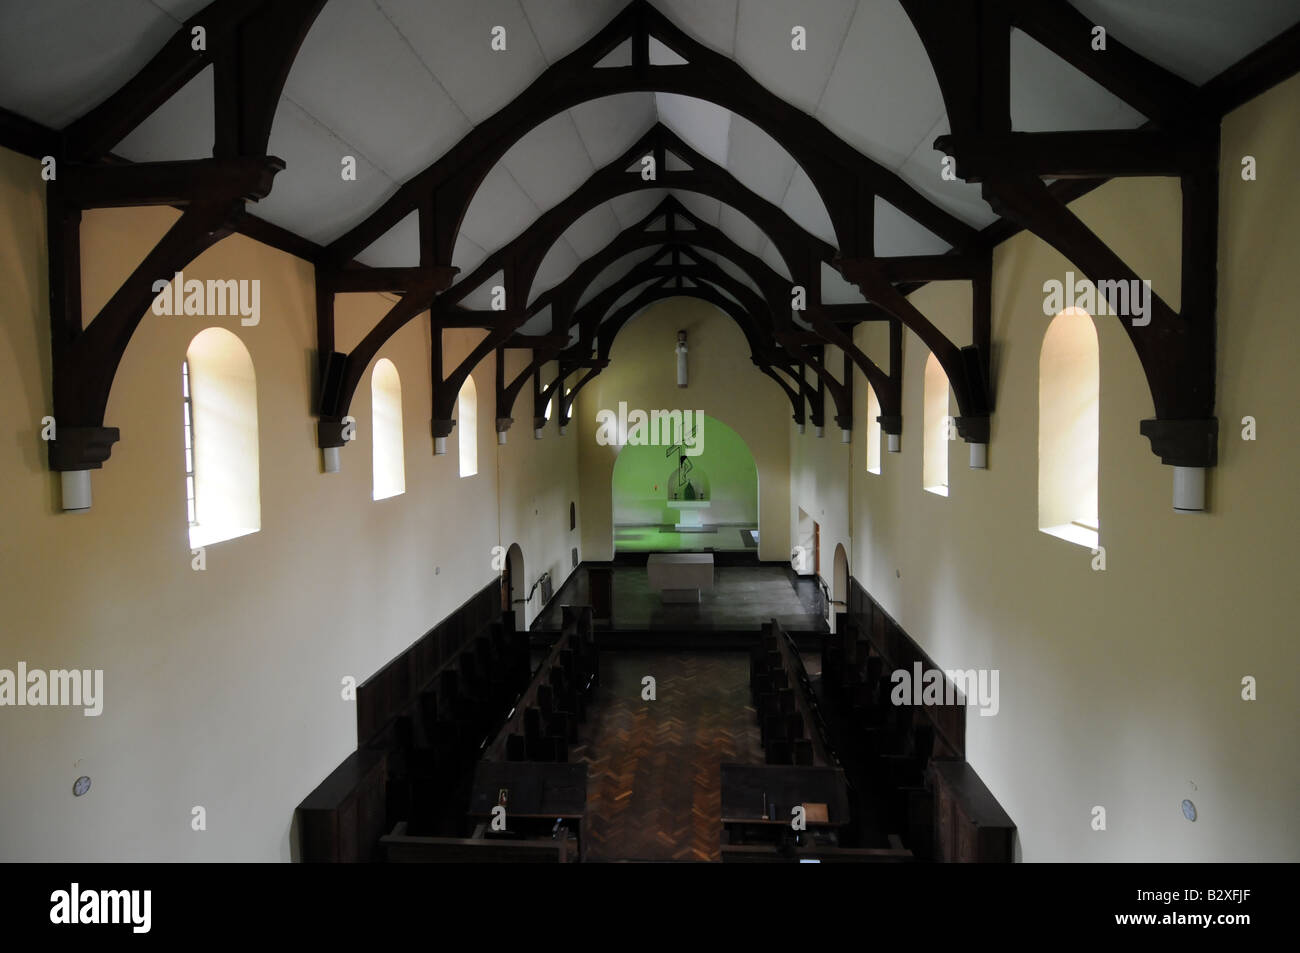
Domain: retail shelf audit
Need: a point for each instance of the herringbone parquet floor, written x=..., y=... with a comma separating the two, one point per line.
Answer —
x=653, y=783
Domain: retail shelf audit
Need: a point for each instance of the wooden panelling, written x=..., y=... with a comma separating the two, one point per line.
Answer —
x=393, y=689
x=970, y=825
x=342, y=820
x=900, y=651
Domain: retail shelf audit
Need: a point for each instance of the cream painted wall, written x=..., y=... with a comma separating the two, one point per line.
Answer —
x=820, y=470
x=1121, y=688
x=723, y=383
x=223, y=687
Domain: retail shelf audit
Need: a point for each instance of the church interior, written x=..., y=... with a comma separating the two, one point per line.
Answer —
x=579, y=431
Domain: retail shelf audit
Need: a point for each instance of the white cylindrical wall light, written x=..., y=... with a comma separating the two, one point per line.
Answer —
x=894, y=443
x=681, y=358
x=501, y=437
x=563, y=430
x=819, y=431
x=439, y=445
x=330, y=456
x=76, y=489
x=798, y=428
x=845, y=435
x=1189, y=489
x=979, y=456
x=537, y=433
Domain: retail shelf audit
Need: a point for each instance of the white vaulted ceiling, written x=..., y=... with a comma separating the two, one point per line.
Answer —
x=396, y=83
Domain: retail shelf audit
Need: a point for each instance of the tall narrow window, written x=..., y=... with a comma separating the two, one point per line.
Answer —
x=1069, y=384
x=873, y=431
x=937, y=425
x=222, y=482
x=467, y=427
x=188, y=407
x=386, y=428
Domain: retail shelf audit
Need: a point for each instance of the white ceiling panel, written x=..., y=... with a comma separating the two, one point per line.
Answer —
x=896, y=234
x=732, y=269
x=627, y=296
x=181, y=129
x=924, y=172
x=835, y=290
x=61, y=58
x=1197, y=39
x=616, y=270
x=380, y=99
x=804, y=204
x=557, y=265
x=882, y=95
x=593, y=231
x=712, y=23
x=758, y=161
x=467, y=255
x=1049, y=94
x=763, y=45
x=740, y=229
x=610, y=125
x=399, y=247
x=631, y=207
x=499, y=211
x=455, y=45
x=310, y=196
x=772, y=256
x=480, y=299
x=561, y=26
x=181, y=9
x=701, y=124
x=550, y=162
x=703, y=207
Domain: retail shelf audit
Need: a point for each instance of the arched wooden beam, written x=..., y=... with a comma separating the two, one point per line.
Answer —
x=753, y=303
x=251, y=45
x=775, y=299
x=968, y=43
x=507, y=393
x=797, y=247
x=847, y=181
x=518, y=262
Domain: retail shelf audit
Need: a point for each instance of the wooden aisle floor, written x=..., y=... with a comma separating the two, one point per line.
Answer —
x=653, y=786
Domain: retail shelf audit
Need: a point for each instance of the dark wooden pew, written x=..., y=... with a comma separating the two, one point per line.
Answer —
x=402, y=848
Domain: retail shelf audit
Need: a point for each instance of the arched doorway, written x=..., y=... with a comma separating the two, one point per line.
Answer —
x=698, y=494
x=515, y=583
x=839, y=584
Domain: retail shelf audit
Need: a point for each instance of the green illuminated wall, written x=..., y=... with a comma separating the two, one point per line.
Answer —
x=724, y=471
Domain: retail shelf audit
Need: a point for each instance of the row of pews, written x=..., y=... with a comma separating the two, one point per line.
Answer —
x=544, y=720
x=796, y=806
x=525, y=803
x=433, y=749
x=907, y=760
x=789, y=718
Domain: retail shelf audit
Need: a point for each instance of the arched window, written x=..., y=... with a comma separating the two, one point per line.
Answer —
x=873, y=431
x=467, y=427
x=1069, y=383
x=221, y=448
x=386, y=428
x=937, y=425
